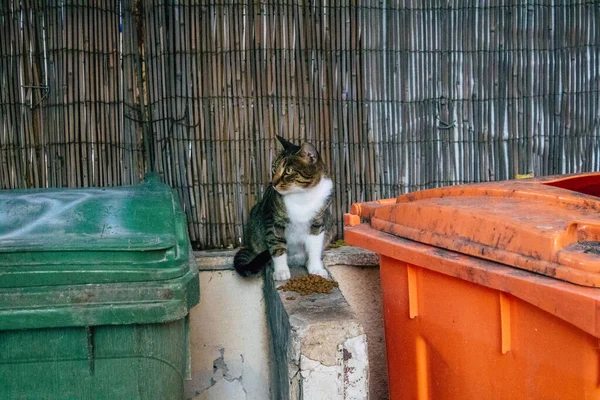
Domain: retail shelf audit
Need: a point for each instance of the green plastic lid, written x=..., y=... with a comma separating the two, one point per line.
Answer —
x=91, y=235
x=93, y=256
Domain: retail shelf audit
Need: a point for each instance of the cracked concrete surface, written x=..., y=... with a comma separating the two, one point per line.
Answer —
x=355, y=368
x=361, y=287
x=226, y=382
x=325, y=356
x=229, y=340
x=223, y=389
x=320, y=347
x=320, y=381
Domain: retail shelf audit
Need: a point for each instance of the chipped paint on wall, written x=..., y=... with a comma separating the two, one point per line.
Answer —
x=229, y=340
x=225, y=379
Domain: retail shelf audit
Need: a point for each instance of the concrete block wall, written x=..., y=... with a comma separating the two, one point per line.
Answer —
x=230, y=341
x=234, y=356
x=320, y=346
x=357, y=272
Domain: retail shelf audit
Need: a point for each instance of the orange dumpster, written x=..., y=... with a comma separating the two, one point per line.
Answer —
x=490, y=291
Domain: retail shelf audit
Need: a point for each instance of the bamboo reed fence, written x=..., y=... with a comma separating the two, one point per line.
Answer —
x=397, y=95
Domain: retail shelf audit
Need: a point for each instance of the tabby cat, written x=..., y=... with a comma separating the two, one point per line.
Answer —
x=292, y=223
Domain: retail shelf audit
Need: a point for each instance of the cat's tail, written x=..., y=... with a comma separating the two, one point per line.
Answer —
x=247, y=264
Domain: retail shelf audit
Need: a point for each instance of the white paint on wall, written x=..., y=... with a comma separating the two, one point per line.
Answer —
x=318, y=378
x=229, y=339
x=356, y=368
x=231, y=346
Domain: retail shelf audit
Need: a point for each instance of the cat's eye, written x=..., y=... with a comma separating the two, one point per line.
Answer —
x=289, y=170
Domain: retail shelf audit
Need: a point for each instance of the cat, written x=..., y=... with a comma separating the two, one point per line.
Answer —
x=292, y=223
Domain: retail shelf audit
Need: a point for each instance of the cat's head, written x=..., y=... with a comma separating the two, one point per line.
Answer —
x=297, y=168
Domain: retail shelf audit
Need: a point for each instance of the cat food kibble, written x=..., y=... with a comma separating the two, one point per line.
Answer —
x=308, y=284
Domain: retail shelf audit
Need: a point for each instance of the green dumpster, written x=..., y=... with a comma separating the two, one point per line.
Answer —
x=95, y=291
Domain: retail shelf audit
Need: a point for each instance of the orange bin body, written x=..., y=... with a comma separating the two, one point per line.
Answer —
x=490, y=291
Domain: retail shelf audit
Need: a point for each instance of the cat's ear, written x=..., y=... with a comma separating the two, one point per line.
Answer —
x=309, y=152
x=287, y=145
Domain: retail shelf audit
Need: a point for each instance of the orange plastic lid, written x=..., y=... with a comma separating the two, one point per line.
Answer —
x=549, y=225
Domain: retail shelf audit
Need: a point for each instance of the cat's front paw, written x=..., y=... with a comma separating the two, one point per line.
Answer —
x=281, y=271
x=281, y=275
x=317, y=269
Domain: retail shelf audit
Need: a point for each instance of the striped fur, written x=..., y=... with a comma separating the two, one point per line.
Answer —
x=293, y=218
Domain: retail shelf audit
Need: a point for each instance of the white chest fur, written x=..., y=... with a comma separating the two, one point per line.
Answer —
x=303, y=206
x=302, y=247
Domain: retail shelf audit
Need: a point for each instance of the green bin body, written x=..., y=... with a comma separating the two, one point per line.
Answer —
x=95, y=291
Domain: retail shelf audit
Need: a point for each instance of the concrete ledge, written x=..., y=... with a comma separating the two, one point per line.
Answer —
x=320, y=347
x=350, y=255
x=216, y=260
